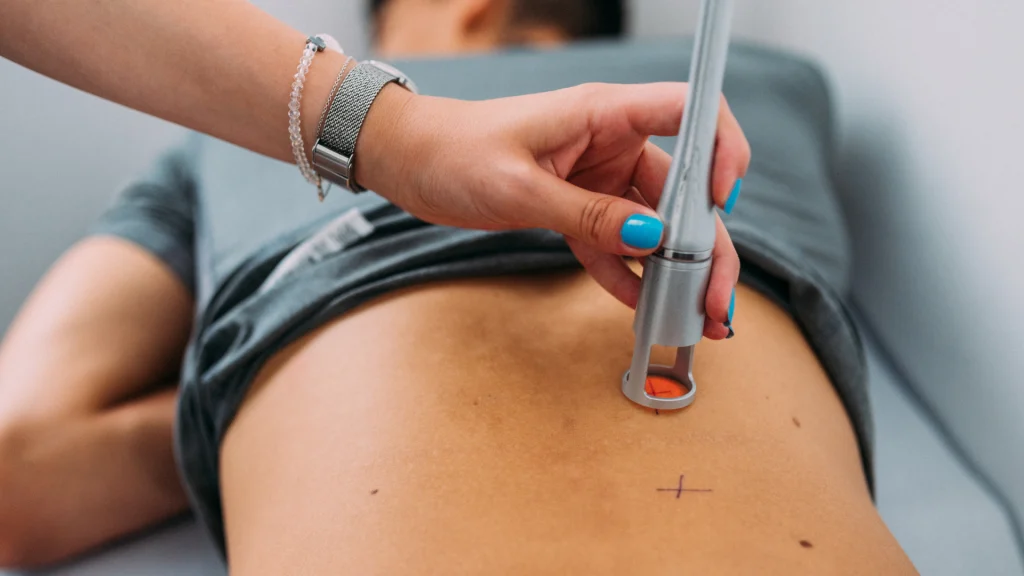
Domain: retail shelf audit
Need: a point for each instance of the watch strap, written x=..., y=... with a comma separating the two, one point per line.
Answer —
x=334, y=151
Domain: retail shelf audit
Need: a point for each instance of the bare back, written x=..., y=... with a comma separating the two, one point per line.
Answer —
x=476, y=426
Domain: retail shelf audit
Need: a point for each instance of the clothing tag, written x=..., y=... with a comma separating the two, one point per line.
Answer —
x=337, y=235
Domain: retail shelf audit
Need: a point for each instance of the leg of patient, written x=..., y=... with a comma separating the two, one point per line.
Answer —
x=477, y=427
x=85, y=410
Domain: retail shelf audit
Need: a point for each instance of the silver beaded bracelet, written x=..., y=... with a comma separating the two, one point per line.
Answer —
x=314, y=44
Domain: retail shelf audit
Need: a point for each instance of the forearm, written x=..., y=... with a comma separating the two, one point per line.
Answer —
x=222, y=67
x=92, y=480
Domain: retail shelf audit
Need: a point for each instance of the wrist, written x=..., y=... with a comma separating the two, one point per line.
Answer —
x=379, y=148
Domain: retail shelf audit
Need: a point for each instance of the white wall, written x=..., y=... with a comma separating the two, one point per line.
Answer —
x=929, y=96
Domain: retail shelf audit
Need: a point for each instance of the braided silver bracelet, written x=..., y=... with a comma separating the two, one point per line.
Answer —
x=334, y=150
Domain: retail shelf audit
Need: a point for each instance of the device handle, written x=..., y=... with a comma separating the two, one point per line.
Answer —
x=686, y=206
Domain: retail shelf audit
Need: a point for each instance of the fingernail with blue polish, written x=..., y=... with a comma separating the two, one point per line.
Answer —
x=733, y=196
x=642, y=231
x=732, y=307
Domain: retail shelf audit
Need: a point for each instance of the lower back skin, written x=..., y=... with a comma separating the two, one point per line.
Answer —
x=477, y=426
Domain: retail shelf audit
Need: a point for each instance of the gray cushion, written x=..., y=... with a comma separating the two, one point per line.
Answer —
x=942, y=516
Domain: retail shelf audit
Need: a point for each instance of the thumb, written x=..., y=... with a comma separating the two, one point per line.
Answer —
x=610, y=224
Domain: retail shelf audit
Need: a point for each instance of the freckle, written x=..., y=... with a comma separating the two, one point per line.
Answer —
x=374, y=491
x=806, y=544
x=796, y=422
x=765, y=397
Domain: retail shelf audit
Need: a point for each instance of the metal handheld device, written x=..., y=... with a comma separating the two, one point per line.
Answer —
x=671, y=307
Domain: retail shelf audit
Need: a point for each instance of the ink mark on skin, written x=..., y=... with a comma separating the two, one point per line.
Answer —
x=679, y=489
x=806, y=544
x=373, y=492
x=796, y=422
x=656, y=413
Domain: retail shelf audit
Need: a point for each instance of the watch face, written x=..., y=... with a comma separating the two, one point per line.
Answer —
x=404, y=80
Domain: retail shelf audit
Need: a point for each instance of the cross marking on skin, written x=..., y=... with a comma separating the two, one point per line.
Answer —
x=679, y=489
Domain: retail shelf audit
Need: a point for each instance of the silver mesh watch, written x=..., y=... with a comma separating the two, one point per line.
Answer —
x=334, y=150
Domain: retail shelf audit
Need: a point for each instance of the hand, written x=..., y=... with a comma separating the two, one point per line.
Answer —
x=576, y=161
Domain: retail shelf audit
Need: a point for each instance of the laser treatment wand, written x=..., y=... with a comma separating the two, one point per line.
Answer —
x=675, y=281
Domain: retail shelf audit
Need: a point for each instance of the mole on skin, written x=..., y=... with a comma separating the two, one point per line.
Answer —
x=806, y=544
